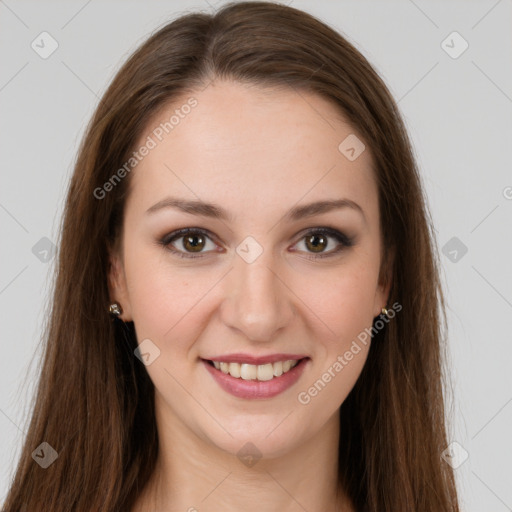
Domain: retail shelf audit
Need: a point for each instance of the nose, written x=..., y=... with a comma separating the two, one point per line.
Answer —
x=258, y=302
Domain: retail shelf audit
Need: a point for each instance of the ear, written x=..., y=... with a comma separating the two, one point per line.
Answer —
x=117, y=287
x=385, y=281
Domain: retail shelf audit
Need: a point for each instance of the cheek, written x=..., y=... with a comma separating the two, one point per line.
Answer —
x=155, y=293
x=343, y=299
x=167, y=302
x=344, y=304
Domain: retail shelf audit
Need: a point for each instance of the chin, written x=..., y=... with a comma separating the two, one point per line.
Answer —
x=250, y=441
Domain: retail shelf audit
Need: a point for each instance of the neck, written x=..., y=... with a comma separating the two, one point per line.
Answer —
x=193, y=474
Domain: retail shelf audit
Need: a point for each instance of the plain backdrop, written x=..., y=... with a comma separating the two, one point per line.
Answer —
x=456, y=102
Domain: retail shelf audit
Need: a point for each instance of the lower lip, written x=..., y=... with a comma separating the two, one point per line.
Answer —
x=255, y=389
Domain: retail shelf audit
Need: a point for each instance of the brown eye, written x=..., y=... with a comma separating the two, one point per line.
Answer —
x=194, y=243
x=316, y=242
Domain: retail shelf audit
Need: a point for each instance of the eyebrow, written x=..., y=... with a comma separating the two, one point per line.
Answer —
x=204, y=209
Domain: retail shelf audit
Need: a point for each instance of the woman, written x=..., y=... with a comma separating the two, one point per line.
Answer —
x=247, y=309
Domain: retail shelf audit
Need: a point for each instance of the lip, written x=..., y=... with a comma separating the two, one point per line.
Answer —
x=256, y=360
x=255, y=389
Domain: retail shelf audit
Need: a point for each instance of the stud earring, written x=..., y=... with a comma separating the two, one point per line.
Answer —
x=384, y=311
x=115, y=309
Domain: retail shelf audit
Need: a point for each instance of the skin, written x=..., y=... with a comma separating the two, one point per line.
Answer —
x=257, y=153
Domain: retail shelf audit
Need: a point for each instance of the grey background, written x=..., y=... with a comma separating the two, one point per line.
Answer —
x=458, y=112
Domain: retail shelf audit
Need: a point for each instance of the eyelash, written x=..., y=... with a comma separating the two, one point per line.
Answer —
x=344, y=240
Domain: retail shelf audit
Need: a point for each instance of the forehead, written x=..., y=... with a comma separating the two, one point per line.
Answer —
x=241, y=144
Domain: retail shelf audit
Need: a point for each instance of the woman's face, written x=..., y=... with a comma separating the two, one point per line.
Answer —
x=262, y=273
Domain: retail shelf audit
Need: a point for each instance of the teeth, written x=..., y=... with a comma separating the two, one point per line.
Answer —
x=261, y=372
x=234, y=370
x=265, y=372
x=247, y=371
x=278, y=368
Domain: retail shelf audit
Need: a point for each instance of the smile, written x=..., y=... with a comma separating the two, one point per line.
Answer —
x=249, y=381
x=261, y=372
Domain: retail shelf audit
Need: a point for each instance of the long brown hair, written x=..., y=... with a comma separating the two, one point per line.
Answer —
x=94, y=402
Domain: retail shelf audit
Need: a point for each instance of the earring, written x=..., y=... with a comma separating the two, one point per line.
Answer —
x=115, y=309
x=384, y=311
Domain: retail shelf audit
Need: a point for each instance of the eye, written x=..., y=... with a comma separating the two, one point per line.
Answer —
x=193, y=240
x=316, y=240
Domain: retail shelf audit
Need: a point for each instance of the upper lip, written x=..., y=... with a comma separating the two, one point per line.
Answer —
x=255, y=360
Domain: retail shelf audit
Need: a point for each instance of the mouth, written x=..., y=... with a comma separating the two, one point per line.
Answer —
x=261, y=381
x=259, y=372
